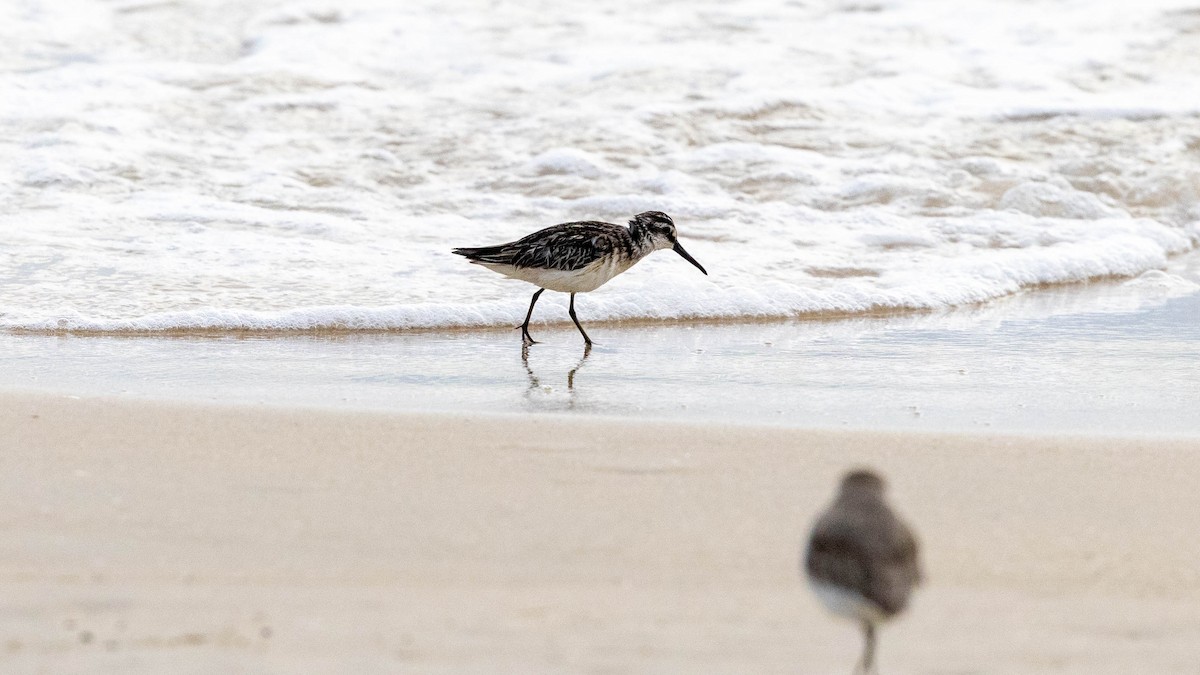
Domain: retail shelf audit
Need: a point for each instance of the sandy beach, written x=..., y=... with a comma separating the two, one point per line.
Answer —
x=151, y=537
x=258, y=418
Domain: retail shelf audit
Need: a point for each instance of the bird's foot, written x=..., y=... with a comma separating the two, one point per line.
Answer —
x=526, y=338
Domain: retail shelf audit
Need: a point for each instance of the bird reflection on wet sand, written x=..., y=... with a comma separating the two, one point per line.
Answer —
x=535, y=382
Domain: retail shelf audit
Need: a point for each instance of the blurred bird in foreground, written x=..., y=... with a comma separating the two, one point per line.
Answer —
x=862, y=560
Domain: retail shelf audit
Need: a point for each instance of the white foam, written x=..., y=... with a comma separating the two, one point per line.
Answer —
x=566, y=161
x=303, y=165
x=1048, y=199
x=1168, y=285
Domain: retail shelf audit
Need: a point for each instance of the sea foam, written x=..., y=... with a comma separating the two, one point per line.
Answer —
x=306, y=166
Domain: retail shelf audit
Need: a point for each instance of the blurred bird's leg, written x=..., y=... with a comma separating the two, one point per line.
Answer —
x=867, y=665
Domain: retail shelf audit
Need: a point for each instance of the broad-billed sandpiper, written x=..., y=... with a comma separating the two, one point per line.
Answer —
x=578, y=257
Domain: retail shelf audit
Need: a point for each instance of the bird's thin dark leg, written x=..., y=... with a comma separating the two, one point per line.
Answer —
x=867, y=666
x=525, y=336
x=571, y=311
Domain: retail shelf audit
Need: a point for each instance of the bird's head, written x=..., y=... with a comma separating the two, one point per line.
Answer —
x=863, y=480
x=658, y=229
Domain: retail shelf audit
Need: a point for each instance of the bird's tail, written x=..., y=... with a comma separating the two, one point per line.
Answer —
x=496, y=255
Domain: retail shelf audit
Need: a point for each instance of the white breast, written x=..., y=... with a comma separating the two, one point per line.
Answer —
x=847, y=603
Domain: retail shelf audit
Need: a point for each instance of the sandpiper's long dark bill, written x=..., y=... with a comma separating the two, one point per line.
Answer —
x=578, y=257
x=862, y=560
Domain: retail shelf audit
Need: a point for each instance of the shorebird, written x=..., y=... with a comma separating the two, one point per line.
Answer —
x=578, y=257
x=862, y=560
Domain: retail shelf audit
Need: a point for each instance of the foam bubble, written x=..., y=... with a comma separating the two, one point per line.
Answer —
x=1047, y=199
x=566, y=161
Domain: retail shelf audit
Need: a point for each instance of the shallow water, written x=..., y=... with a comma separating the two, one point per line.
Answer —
x=285, y=164
x=1098, y=359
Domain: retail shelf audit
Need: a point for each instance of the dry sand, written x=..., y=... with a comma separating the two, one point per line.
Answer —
x=169, y=538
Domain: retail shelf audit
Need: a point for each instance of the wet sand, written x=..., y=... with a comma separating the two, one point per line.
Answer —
x=1112, y=358
x=150, y=537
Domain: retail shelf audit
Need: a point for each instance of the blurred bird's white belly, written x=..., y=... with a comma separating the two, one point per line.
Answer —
x=582, y=280
x=847, y=603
